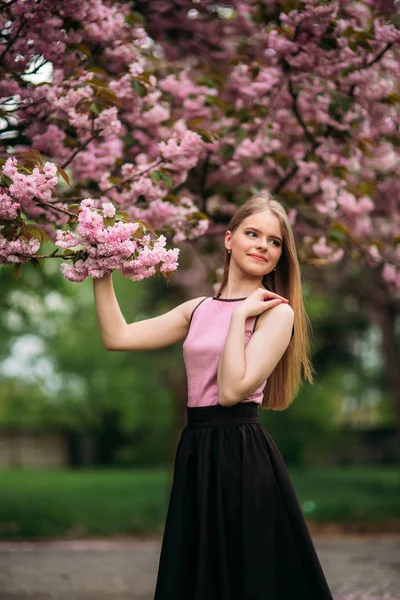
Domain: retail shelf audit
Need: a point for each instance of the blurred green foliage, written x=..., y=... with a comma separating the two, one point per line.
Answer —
x=59, y=376
x=45, y=504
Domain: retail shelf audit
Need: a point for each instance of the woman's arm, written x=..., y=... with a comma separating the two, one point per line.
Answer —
x=149, y=334
x=241, y=369
x=111, y=321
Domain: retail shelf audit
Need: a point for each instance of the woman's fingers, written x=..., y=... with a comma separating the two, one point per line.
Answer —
x=273, y=295
x=273, y=302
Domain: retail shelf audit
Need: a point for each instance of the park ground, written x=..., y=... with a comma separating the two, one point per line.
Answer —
x=96, y=534
x=356, y=567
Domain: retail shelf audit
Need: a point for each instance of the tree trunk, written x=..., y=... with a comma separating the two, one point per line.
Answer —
x=385, y=318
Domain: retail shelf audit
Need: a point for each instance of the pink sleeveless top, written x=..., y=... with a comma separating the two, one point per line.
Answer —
x=203, y=345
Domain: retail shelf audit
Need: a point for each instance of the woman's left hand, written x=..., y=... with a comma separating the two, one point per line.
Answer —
x=259, y=301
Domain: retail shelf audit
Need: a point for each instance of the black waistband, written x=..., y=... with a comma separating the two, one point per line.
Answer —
x=216, y=414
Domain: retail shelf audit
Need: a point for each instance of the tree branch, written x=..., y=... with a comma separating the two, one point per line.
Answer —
x=57, y=208
x=297, y=113
x=12, y=40
x=4, y=5
x=80, y=148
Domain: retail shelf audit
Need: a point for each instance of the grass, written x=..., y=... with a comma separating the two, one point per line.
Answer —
x=81, y=503
x=362, y=494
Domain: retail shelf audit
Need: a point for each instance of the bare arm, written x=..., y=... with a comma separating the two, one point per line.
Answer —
x=149, y=334
x=242, y=370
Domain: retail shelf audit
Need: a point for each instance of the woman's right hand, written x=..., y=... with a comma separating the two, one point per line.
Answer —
x=259, y=301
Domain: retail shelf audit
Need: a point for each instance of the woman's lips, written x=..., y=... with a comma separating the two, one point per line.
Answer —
x=257, y=257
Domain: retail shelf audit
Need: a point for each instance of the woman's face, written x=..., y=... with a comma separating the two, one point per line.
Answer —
x=261, y=234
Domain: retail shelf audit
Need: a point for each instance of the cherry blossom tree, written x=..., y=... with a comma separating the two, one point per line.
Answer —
x=311, y=94
x=175, y=112
x=100, y=118
x=163, y=116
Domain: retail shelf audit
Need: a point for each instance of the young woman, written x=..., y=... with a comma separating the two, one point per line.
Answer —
x=234, y=527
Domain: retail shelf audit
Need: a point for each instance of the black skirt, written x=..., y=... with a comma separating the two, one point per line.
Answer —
x=234, y=528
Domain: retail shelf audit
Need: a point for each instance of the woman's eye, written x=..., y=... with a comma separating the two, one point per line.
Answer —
x=275, y=242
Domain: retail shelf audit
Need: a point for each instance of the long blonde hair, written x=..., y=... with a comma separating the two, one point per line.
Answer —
x=285, y=380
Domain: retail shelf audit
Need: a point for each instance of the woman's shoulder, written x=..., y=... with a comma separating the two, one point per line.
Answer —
x=283, y=312
x=190, y=306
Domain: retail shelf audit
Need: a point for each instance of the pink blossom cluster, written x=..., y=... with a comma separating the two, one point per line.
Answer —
x=8, y=208
x=101, y=248
x=179, y=218
x=302, y=100
x=322, y=250
x=17, y=251
x=24, y=187
x=43, y=23
x=189, y=97
x=183, y=153
x=73, y=103
x=177, y=156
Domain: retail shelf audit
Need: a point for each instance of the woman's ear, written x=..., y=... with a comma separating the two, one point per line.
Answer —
x=228, y=241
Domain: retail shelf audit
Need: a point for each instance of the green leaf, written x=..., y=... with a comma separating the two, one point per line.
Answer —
x=364, y=44
x=241, y=134
x=283, y=160
x=227, y=151
x=339, y=102
x=194, y=122
x=207, y=136
x=134, y=17
x=37, y=263
x=16, y=271
x=392, y=99
x=291, y=197
x=6, y=180
x=146, y=225
x=107, y=95
x=97, y=81
x=155, y=176
x=139, y=88
x=145, y=76
x=63, y=175
x=82, y=48
x=37, y=233
x=166, y=179
x=337, y=236
x=173, y=198
x=328, y=43
x=340, y=171
x=94, y=108
x=212, y=80
x=215, y=100
x=108, y=221
x=339, y=232
x=98, y=70
x=395, y=19
x=367, y=188
x=348, y=70
x=26, y=154
x=286, y=68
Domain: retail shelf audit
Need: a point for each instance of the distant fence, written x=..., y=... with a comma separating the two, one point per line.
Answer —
x=63, y=449
x=21, y=449
x=379, y=445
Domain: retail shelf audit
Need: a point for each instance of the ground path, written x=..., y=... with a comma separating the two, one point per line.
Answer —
x=357, y=568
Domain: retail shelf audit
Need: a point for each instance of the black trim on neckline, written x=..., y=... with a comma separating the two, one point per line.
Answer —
x=228, y=299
